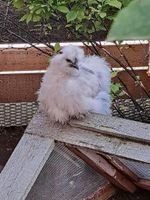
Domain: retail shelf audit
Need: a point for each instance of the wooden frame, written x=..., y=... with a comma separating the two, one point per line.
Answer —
x=21, y=69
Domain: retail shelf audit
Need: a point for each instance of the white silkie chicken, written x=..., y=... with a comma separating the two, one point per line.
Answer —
x=74, y=85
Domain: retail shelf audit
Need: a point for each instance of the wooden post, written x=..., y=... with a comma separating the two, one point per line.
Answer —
x=24, y=166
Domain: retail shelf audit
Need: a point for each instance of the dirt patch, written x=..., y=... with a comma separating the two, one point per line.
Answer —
x=9, y=138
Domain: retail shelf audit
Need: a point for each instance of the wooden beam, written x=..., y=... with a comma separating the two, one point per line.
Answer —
x=122, y=167
x=98, y=163
x=103, y=193
x=115, y=127
x=32, y=59
x=19, y=87
x=100, y=139
x=145, y=184
x=23, y=87
x=24, y=166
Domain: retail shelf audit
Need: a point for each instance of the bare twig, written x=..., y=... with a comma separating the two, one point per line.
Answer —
x=24, y=40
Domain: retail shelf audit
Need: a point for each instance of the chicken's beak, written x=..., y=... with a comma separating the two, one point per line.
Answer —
x=75, y=64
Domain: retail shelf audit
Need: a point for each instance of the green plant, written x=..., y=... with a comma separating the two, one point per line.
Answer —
x=80, y=17
x=132, y=22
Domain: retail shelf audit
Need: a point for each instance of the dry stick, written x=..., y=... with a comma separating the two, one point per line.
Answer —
x=139, y=108
x=148, y=72
x=127, y=70
x=137, y=105
x=88, y=46
x=118, y=109
x=10, y=21
x=6, y=14
x=125, y=58
x=134, y=101
x=24, y=40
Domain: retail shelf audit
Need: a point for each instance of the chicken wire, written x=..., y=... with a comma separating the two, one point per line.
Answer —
x=65, y=177
x=19, y=114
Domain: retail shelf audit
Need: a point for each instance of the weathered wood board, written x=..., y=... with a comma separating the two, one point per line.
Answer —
x=101, y=165
x=24, y=166
x=115, y=127
x=98, y=139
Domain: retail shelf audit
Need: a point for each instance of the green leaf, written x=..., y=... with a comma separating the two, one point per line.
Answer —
x=98, y=25
x=102, y=14
x=18, y=4
x=28, y=18
x=90, y=2
x=72, y=15
x=115, y=87
x=36, y=18
x=63, y=9
x=24, y=18
x=133, y=22
x=114, y=74
x=57, y=47
x=114, y=3
x=78, y=26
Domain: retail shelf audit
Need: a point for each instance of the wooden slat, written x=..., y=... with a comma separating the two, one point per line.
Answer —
x=121, y=167
x=103, y=193
x=98, y=163
x=41, y=125
x=133, y=88
x=32, y=59
x=19, y=88
x=115, y=127
x=23, y=167
x=145, y=184
x=22, y=87
x=14, y=59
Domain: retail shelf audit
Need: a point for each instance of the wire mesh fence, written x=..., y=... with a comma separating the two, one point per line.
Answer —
x=20, y=114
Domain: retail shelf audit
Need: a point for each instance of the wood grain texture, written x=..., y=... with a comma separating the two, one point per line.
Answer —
x=23, y=87
x=115, y=127
x=98, y=163
x=120, y=146
x=19, y=88
x=23, y=167
x=32, y=59
x=121, y=167
x=103, y=193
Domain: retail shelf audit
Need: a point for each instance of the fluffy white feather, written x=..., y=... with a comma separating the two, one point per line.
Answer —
x=75, y=84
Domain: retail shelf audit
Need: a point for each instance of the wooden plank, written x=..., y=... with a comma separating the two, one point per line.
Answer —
x=14, y=59
x=98, y=163
x=134, y=89
x=145, y=184
x=19, y=88
x=23, y=87
x=41, y=125
x=121, y=167
x=103, y=193
x=24, y=166
x=115, y=127
x=32, y=59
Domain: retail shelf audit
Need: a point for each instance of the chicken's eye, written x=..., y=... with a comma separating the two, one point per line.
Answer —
x=60, y=52
x=68, y=60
